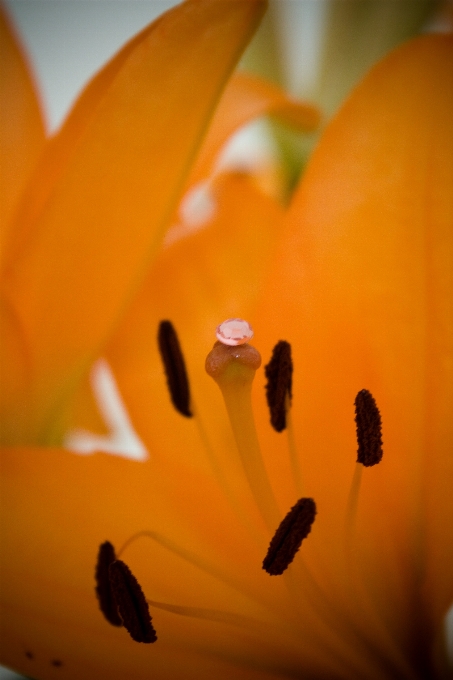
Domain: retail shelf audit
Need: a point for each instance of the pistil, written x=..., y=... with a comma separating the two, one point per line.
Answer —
x=233, y=368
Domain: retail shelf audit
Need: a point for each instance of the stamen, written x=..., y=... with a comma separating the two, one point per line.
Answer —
x=215, y=615
x=369, y=440
x=292, y=448
x=131, y=602
x=368, y=421
x=175, y=368
x=104, y=593
x=191, y=558
x=233, y=369
x=279, y=374
x=107, y=558
x=289, y=536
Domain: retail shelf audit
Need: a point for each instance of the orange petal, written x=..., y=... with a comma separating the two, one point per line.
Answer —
x=89, y=246
x=247, y=97
x=197, y=282
x=60, y=507
x=21, y=124
x=361, y=288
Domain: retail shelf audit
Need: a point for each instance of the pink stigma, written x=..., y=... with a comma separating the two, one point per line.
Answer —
x=234, y=332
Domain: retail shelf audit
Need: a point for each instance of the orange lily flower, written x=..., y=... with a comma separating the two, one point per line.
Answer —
x=356, y=275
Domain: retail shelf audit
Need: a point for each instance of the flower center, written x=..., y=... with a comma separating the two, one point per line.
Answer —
x=232, y=363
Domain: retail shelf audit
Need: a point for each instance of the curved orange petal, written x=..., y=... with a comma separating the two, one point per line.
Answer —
x=65, y=289
x=220, y=259
x=361, y=287
x=197, y=282
x=49, y=608
x=247, y=97
x=63, y=144
x=21, y=125
x=196, y=554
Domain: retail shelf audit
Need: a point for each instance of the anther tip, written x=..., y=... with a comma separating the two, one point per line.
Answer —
x=368, y=425
x=107, y=604
x=293, y=529
x=174, y=367
x=279, y=372
x=131, y=602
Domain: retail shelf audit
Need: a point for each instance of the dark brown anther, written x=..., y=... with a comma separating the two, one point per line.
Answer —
x=104, y=593
x=175, y=368
x=279, y=374
x=368, y=422
x=288, y=538
x=131, y=602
